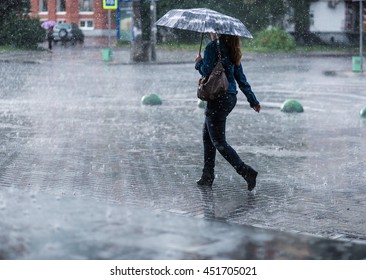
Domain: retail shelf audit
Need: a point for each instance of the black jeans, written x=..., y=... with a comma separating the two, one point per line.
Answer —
x=214, y=135
x=50, y=44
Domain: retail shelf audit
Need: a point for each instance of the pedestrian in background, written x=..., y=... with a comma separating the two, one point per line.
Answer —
x=216, y=111
x=50, y=37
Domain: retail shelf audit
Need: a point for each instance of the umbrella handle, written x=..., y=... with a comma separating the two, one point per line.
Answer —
x=199, y=53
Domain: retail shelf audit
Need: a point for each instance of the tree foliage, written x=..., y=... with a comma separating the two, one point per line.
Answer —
x=17, y=28
x=22, y=32
x=10, y=8
x=273, y=39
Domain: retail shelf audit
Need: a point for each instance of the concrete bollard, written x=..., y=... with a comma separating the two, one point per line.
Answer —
x=292, y=106
x=363, y=113
x=151, y=99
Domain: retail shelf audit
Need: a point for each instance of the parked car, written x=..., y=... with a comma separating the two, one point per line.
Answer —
x=68, y=32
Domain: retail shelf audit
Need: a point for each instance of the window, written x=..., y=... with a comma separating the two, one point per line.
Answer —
x=86, y=5
x=43, y=6
x=86, y=24
x=61, y=5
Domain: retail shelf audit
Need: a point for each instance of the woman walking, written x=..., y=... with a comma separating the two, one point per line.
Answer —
x=217, y=111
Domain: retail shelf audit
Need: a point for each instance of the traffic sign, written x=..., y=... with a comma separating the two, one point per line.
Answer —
x=110, y=4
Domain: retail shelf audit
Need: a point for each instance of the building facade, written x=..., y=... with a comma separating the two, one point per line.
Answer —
x=333, y=21
x=336, y=21
x=89, y=15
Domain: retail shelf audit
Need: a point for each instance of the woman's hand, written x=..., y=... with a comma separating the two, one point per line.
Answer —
x=198, y=58
x=257, y=108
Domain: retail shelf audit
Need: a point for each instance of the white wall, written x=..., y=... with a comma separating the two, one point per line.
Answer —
x=327, y=19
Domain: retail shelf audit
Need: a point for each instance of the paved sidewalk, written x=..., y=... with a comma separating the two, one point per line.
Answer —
x=88, y=172
x=48, y=227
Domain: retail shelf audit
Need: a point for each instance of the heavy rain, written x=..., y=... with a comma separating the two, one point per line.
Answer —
x=89, y=172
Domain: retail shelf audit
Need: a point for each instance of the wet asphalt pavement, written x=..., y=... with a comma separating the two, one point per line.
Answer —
x=83, y=162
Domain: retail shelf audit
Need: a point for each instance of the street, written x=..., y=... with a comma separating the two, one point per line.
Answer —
x=72, y=127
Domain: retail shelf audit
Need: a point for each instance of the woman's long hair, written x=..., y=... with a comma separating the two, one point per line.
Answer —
x=232, y=44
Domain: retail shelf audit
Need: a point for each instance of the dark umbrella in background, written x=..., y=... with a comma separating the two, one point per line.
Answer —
x=204, y=21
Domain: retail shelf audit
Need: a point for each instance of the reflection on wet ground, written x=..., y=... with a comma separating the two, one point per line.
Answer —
x=73, y=126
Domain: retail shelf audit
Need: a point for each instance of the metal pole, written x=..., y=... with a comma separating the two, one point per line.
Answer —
x=118, y=22
x=361, y=34
x=153, y=30
x=109, y=28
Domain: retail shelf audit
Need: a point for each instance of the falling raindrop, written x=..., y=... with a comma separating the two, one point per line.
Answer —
x=2, y=203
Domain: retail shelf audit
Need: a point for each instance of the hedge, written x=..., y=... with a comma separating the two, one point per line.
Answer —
x=22, y=32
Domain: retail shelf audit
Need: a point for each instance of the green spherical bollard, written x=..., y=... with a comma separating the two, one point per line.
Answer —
x=363, y=113
x=292, y=106
x=201, y=104
x=151, y=100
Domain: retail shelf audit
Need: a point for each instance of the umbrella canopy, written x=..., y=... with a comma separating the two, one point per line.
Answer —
x=204, y=20
x=48, y=24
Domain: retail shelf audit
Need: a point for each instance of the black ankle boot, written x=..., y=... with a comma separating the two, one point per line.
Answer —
x=250, y=176
x=205, y=181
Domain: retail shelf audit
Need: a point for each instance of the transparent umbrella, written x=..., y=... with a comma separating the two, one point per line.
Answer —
x=204, y=21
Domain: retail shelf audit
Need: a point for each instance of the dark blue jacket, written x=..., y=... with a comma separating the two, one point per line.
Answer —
x=234, y=73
